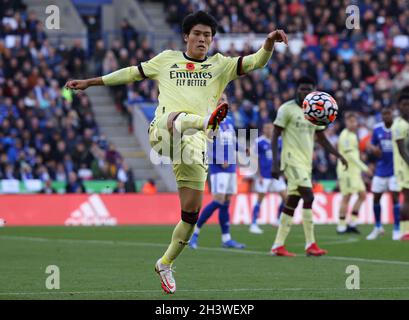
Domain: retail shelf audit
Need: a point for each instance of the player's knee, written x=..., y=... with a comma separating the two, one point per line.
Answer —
x=292, y=201
x=190, y=217
x=362, y=196
x=220, y=198
x=308, y=200
x=288, y=210
x=377, y=199
x=171, y=120
x=345, y=199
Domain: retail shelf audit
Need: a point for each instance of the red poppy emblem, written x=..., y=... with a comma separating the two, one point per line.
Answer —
x=190, y=66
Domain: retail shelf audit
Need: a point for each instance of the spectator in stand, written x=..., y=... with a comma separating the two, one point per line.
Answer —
x=74, y=185
x=149, y=187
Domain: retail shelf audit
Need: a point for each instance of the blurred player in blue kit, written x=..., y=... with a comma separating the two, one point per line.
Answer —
x=223, y=180
x=384, y=179
x=265, y=183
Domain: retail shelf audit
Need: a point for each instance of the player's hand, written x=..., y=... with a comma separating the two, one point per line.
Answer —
x=278, y=36
x=77, y=84
x=377, y=152
x=344, y=162
x=275, y=172
x=225, y=165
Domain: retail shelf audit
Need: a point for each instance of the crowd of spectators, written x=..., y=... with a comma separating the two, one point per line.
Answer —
x=46, y=131
x=362, y=68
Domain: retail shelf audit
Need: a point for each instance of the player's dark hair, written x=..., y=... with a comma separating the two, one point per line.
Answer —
x=199, y=17
x=306, y=80
x=349, y=115
x=386, y=109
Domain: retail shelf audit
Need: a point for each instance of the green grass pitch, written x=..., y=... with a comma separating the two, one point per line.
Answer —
x=118, y=263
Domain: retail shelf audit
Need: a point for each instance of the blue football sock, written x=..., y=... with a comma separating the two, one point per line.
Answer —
x=224, y=218
x=256, y=211
x=377, y=212
x=207, y=213
x=396, y=216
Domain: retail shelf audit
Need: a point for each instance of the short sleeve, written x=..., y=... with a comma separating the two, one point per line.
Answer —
x=320, y=128
x=151, y=68
x=232, y=67
x=282, y=118
x=399, y=132
x=374, y=139
x=346, y=143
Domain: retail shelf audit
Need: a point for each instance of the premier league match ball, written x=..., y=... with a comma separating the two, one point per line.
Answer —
x=320, y=108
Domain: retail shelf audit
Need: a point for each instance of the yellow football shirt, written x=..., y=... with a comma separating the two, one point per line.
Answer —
x=400, y=130
x=297, y=136
x=348, y=147
x=189, y=85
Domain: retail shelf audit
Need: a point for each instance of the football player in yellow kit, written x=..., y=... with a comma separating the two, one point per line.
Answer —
x=190, y=84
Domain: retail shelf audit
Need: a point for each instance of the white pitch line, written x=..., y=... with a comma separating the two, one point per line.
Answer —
x=210, y=249
x=52, y=292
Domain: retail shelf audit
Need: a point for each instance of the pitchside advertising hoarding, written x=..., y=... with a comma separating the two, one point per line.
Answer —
x=100, y=209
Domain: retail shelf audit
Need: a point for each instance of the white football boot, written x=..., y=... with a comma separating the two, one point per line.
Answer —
x=255, y=229
x=376, y=232
x=165, y=273
x=396, y=235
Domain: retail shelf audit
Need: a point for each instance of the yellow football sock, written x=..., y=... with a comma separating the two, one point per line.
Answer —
x=283, y=230
x=354, y=219
x=342, y=222
x=180, y=238
x=308, y=225
x=404, y=227
x=186, y=121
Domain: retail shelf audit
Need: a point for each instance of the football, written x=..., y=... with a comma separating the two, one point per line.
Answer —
x=320, y=108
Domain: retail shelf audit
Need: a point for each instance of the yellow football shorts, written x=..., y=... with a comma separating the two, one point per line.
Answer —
x=402, y=176
x=297, y=177
x=188, y=153
x=350, y=184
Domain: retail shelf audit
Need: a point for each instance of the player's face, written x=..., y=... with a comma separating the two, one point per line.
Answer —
x=198, y=41
x=387, y=117
x=302, y=91
x=352, y=124
x=268, y=130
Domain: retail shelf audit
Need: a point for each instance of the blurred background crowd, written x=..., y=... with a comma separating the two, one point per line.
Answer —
x=47, y=132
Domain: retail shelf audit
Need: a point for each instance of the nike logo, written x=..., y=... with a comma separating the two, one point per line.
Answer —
x=168, y=284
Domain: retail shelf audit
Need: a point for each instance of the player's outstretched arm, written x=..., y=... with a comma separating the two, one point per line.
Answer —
x=260, y=58
x=323, y=141
x=273, y=37
x=275, y=170
x=121, y=76
x=84, y=84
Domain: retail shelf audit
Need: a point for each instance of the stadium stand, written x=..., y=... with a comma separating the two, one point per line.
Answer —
x=48, y=133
